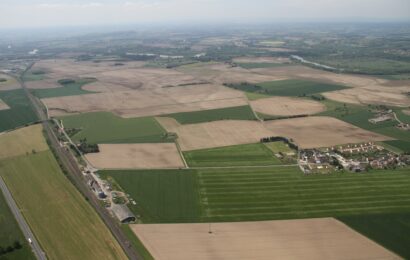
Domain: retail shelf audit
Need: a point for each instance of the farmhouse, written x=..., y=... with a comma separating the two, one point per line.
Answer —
x=123, y=213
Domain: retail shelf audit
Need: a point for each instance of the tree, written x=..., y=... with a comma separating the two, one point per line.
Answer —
x=17, y=244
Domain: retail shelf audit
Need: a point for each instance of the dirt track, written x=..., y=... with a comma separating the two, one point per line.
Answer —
x=136, y=156
x=324, y=238
x=285, y=106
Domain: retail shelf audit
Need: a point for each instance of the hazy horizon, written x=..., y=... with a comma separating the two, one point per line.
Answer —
x=37, y=13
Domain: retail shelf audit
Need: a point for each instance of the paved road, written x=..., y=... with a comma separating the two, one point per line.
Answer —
x=75, y=175
x=22, y=222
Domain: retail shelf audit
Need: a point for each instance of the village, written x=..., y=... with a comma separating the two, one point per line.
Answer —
x=351, y=157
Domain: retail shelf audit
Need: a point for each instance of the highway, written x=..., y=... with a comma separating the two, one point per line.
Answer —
x=75, y=175
x=22, y=222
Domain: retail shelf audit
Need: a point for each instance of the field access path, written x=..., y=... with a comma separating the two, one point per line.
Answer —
x=35, y=246
x=75, y=175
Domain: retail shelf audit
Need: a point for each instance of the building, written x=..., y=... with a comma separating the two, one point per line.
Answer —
x=123, y=213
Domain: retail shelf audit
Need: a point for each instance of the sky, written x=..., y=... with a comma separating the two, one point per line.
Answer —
x=54, y=13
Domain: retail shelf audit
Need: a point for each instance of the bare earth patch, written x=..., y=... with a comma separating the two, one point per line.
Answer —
x=3, y=106
x=138, y=103
x=314, y=132
x=406, y=111
x=215, y=134
x=324, y=238
x=286, y=106
x=136, y=156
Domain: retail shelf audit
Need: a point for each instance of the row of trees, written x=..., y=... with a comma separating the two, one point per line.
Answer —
x=6, y=250
x=279, y=139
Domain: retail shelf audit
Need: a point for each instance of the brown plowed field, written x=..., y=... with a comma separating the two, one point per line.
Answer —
x=324, y=238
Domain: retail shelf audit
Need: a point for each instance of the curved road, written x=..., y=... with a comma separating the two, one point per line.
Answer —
x=22, y=222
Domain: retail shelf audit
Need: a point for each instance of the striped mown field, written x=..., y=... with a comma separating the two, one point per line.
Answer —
x=285, y=193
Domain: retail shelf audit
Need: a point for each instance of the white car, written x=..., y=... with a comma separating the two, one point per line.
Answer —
x=29, y=240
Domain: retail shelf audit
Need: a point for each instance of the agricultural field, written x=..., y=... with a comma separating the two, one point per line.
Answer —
x=104, y=127
x=289, y=87
x=215, y=134
x=238, y=155
x=316, y=132
x=359, y=115
x=8, y=83
x=287, y=106
x=10, y=233
x=20, y=112
x=69, y=87
x=324, y=238
x=3, y=106
x=149, y=102
x=230, y=113
x=30, y=138
x=389, y=230
x=73, y=228
x=136, y=156
x=34, y=75
x=164, y=196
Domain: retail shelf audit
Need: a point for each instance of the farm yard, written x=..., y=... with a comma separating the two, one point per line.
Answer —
x=49, y=199
x=284, y=239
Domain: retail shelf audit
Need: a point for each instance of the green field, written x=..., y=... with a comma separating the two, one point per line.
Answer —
x=403, y=146
x=34, y=75
x=68, y=88
x=279, y=147
x=237, y=155
x=163, y=196
x=285, y=193
x=359, y=115
x=255, y=96
x=269, y=193
x=390, y=230
x=289, y=87
x=20, y=112
x=105, y=127
x=65, y=224
x=233, y=113
x=10, y=232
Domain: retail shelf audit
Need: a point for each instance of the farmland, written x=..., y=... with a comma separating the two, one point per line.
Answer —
x=164, y=196
x=233, y=113
x=321, y=238
x=246, y=155
x=289, y=87
x=68, y=88
x=359, y=115
x=104, y=127
x=50, y=200
x=20, y=112
x=10, y=232
x=389, y=230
